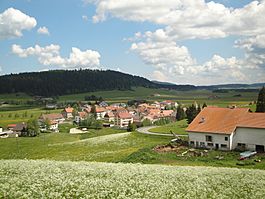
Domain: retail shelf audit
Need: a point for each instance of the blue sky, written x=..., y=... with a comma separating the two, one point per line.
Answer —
x=186, y=42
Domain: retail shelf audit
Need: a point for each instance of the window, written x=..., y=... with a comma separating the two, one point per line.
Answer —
x=226, y=138
x=192, y=143
x=223, y=145
x=241, y=144
x=210, y=144
x=202, y=144
x=209, y=138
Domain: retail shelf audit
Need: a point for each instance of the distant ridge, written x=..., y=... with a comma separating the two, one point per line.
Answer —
x=62, y=82
x=233, y=86
x=163, y=83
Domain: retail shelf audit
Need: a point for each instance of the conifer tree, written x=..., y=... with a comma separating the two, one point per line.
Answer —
x=180, y=113
x=261, y=101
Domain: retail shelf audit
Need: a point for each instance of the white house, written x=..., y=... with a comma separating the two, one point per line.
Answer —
x=100, y=112
x=54, y=126
x=109, y=117
x=123, y=119
x=228, y=129
x=80, y=116
x=68, y=113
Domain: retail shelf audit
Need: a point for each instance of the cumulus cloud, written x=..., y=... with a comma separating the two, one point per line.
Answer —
x=13, y=22
x=187, y=19
x=50, y=55
x=175, y=63
x=193, y=19
x=43, y=30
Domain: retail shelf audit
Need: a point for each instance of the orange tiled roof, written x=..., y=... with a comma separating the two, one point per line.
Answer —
x=69, y=110
x=167, y=113
x=11, y=125
x=124, y=115
x=109, y=114
x=100, y=109
x=252, y=120
x=153, y=111
x=217, y=120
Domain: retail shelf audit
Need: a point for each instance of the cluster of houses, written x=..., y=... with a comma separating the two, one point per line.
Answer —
x=13, y=130
x=117, y=114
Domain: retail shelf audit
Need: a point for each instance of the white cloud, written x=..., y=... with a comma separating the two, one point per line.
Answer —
x=43, y=30
x=50, y=55
x=187, y=19
x=175, y=63
x=193, y=19
x=13, y=22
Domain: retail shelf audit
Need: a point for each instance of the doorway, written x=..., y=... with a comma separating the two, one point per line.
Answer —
x=217, y=146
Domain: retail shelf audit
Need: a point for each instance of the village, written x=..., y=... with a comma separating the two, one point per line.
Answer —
x=230, y=128
x=118, y=115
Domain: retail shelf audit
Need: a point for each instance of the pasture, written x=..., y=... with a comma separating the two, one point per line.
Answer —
x=176, y=127
x=111, y=145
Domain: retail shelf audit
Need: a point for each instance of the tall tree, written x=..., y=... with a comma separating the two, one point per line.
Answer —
x=261, y=101
x=180, y=113
x=191, y=113
x=32, y=128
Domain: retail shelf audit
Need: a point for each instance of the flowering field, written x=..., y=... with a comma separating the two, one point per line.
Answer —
x=54, y=179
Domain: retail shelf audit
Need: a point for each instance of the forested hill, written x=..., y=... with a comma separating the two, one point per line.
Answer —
x=61, y=82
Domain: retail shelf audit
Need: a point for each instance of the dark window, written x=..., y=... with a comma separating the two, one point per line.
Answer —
x=209, y=138
x=241, y=144
x=202, y=144
x=192, y=143
x=209, y=144
x=226, y=138
x=223, y=145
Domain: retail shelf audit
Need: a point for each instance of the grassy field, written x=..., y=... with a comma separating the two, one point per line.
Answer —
x=52, y=179
x=10, y=114
x=176, y=127
x=186, y=97
x=63, y=146
x=241, y=99
x=110, y=145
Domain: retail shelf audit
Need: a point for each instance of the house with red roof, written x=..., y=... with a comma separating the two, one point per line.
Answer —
x=100, y=112
x=80, y=116
x=228, y=129
x=109, y=117
x=54, y=117
x=123, y=119
x=68, y=112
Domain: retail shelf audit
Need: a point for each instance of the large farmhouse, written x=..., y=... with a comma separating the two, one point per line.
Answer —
x=228, y=129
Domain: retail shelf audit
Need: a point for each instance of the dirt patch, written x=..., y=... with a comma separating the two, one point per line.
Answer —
x=169, y=148
x=180, y=150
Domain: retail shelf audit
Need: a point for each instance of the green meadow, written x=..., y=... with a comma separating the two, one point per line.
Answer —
x=110, y=145
x=176, y=127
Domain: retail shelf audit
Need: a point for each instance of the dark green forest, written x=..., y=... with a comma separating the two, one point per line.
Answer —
x=61, y=82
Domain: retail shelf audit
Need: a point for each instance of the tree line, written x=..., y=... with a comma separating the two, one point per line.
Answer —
x=62, y=82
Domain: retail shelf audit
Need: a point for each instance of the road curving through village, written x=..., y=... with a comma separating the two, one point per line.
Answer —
x=145, y=130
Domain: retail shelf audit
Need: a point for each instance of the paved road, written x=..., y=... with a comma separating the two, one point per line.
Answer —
x=145, y=130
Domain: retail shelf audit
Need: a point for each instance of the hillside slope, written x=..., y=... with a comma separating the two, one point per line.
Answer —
x=51, y=179
x=61, y=82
